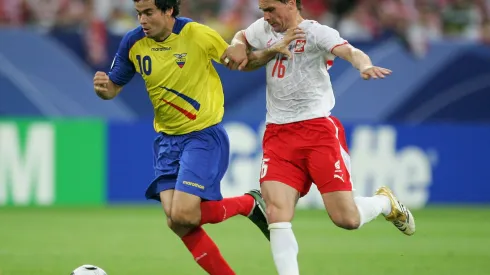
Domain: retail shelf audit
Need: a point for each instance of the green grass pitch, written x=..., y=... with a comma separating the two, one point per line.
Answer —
x=131, y=240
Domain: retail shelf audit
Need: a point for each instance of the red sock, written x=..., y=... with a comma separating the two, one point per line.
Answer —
x=218, y=211
x=206, y=253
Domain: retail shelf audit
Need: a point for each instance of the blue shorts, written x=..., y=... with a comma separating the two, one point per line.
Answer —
x=193, y=163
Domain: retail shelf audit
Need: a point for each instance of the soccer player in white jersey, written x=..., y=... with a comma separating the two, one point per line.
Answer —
x=303, y=143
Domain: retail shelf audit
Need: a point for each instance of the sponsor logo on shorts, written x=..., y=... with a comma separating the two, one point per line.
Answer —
x=337, y=165
x=193, y=184
x=339, y=171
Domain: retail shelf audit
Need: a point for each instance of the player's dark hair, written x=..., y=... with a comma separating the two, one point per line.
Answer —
x=298, y=4
x=165, y=5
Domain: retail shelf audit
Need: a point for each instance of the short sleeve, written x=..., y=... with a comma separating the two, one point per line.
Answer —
x=327, y=38
x=256, y=34
x=215, y=44
x=122, y=69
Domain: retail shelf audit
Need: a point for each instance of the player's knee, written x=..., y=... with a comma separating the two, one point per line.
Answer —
x=178, y=229
x=279, y=213
x=184, y=218
x=349, y=222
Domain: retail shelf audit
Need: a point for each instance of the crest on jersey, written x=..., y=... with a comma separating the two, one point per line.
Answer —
x=300, y=46
x=180, y=59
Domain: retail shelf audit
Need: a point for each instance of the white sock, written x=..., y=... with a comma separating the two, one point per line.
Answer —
x=370, y=207
x=284, y=248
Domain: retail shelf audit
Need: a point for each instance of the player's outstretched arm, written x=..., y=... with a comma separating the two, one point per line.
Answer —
x=360, y=61
x=104, y=87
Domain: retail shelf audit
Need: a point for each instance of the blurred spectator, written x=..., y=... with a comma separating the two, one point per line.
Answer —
x=396, y=16
x=427, y=20
x=318, y=10
x=12, y=12
x=461, y=19
x=355, y=19
x=485, y=32
x=359, y=23
x=47, y=14
x=425, y=27
x=119, y=15
x=416, y=22
x=235, y=15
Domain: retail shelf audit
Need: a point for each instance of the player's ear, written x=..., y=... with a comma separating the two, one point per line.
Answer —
x=169, y=12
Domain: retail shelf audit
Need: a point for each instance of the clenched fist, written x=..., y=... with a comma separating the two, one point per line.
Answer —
x=101, y=81
x=104, y=87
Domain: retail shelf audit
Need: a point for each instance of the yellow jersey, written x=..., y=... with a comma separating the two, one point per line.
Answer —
x=181, y=81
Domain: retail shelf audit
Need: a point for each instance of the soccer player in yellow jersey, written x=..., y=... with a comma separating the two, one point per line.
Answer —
x=191, y=153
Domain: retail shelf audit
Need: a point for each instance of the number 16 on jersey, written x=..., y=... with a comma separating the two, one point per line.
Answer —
x=279, y=69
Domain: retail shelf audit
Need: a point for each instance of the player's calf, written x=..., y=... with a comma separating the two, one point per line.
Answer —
x=345, y=221
x=342, y=209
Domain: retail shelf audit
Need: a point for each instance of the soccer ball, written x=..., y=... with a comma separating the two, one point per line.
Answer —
x=88, y=269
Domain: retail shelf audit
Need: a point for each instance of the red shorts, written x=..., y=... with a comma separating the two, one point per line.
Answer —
x=304, y=152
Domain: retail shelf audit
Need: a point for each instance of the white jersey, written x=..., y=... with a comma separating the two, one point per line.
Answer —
x=299, y=88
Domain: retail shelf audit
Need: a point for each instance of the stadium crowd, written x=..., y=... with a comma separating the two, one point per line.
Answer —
x=415, y=21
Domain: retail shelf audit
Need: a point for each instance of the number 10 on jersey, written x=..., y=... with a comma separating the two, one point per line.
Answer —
x=144, y=64
x=279, y=69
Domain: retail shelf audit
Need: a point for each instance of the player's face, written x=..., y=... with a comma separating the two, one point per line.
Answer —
x=156, y=24
x=279, y=15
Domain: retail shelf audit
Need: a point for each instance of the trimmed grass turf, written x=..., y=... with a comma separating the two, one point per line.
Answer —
x=134, y=240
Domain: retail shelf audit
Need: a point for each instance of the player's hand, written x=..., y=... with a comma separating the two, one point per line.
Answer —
x=374, y=72
x=283, y=45
x=101, y=80
x=235, y=57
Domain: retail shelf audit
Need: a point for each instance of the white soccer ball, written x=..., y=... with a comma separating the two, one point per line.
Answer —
x=88, y=269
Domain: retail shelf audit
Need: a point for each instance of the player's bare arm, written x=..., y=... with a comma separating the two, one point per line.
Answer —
x=235, y=56
x=257, y=59
x=360, y=61
x=104, y=87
